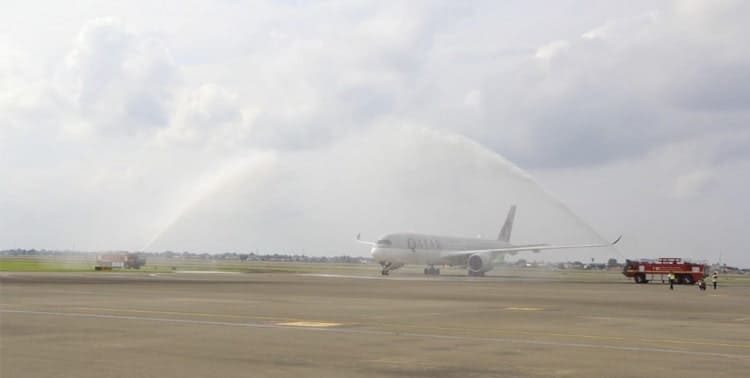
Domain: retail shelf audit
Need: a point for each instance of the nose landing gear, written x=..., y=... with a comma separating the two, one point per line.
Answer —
x=387, y=267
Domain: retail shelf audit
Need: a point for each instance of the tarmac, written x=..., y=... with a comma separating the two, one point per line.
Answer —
x=110, y=324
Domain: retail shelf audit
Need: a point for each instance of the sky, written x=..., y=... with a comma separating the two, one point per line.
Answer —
x=292, y=126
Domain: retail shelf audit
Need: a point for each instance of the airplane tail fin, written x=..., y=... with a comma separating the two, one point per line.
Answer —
x=508, y=226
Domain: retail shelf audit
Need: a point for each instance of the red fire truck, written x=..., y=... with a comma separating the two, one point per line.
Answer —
x=644, y=271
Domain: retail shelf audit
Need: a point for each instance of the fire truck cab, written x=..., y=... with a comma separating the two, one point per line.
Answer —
x=644, y=271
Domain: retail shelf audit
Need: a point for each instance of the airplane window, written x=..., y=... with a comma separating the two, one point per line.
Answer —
x=384, y=243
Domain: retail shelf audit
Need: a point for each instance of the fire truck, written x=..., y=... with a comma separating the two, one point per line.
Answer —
x=684, y=272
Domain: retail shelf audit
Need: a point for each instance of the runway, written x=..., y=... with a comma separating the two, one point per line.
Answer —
x=195, y=325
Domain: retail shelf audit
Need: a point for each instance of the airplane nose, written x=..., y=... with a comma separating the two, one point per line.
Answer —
x=376, y=253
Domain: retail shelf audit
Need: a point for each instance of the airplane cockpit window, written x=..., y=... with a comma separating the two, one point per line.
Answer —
x=384, y=243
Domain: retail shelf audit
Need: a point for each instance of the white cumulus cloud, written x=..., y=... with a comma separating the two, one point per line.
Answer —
x=119, y=81
x=551, y=49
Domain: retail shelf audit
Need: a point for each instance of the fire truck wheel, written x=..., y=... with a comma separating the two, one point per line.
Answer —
x=687, y=280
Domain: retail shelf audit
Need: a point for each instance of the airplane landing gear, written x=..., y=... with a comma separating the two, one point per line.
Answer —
x=431, y=271
x=386, y=268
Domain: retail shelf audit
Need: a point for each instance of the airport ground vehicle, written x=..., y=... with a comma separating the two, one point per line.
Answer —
x=120, y=260
x=134, y=261
x=645, y=271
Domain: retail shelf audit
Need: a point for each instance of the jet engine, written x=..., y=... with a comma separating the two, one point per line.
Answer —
x=479, y=263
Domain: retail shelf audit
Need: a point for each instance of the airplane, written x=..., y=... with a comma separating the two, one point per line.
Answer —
x=394, y=250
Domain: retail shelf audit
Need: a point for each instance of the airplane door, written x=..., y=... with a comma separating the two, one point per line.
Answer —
x=412, y=244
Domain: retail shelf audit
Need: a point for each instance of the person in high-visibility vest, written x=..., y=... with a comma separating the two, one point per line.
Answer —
x=671, y=281
x=715, y=279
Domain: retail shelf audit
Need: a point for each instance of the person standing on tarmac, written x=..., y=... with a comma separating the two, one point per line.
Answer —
x=671, y=281
x=715, y=279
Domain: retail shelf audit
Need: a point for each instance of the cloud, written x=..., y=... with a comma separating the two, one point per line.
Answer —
x=625, y=28
x=473, y=100
x=661, y=203
x=27, y=102
x=208, y=115
x=692, y=184
x=118, y=81
x=623, y=89
x=548, y=51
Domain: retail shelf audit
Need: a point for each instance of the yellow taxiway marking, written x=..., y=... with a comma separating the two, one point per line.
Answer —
x=524, y=308
x=309, y=324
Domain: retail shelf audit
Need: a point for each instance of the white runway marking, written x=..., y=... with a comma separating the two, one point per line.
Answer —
x=205, y=272
x=339, y=276
x=309, y=324
x=501, y=340
x=403, y=278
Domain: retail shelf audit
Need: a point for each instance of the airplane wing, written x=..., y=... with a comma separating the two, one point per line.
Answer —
x=372, y=244
x=528, y=247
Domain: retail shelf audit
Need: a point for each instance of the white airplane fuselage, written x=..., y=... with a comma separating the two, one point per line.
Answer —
x=423, y=249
